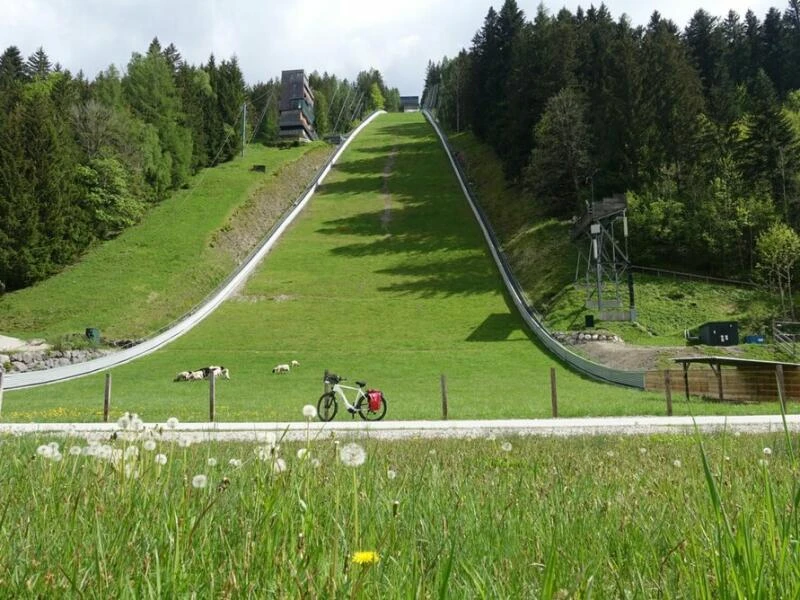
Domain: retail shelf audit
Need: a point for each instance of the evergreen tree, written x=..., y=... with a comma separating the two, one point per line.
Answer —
x=38, y=65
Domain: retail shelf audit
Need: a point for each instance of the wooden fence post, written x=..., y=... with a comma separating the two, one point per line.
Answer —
x=553, y=392
x=212, y=395
x=781, y=386
x=443, y=381
x=1, y=390
x=107, y=398
x=668, y=391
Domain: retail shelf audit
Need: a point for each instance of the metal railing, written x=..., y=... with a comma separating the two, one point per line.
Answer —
x=534, y=321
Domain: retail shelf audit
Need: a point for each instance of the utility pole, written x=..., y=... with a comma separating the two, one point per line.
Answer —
x=244, y=123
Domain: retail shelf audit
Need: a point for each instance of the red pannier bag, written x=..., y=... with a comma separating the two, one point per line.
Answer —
x=375, y=397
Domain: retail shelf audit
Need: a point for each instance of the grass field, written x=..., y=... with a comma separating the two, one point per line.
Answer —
x=599, y=517
x=148, y=276
x=385, y=276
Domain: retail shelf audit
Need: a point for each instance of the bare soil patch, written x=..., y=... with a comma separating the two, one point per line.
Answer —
x=620, y=355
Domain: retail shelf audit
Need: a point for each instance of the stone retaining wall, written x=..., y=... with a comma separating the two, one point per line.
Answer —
x=38, y=360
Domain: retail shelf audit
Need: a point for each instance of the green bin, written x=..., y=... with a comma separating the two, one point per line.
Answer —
x=93, y=335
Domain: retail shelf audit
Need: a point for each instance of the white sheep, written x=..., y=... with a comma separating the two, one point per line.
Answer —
x=295, y=364
x=284, y=368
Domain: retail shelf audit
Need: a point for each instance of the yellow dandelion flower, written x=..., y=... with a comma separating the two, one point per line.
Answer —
x=366, y=558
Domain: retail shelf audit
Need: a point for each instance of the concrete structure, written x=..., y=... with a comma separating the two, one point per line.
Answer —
x=296, y=108
x=409, y=103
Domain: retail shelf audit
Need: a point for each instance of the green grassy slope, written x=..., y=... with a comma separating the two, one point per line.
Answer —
x=149, y=275
x=382, y=278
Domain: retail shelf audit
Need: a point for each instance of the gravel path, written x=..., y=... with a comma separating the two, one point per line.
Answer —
x=258, y=432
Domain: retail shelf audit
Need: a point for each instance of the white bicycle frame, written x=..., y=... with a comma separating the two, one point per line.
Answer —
x=338, y=388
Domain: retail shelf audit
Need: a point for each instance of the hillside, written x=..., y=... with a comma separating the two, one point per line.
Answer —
x=544, y=260
x=154, y=272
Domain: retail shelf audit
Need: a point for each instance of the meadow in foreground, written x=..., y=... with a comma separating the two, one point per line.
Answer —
x=139, y=516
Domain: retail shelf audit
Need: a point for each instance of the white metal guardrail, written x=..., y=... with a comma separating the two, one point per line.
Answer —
x=13, y=381
x=596, y=371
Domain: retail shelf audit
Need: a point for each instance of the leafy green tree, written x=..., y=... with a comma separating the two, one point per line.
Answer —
x=778, y=251
x=375, y=100
x=106, y=195
x=560, y=160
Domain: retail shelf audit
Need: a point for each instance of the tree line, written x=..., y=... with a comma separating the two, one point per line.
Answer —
x=82, y=160
x=698, y=126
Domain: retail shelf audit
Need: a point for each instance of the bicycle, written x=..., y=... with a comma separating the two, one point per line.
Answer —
x=369, y=404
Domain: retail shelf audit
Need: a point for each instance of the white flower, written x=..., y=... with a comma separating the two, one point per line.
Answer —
x=184, y=442
x=124, y=421
x=211, y=462
x=161, y=459
x=235, y=463
x=199, y=481
x=54, y=446
x=75, y=450
x=767, y=451
x=506, y=446
x=676, y=463
x=309, y=411
x=172, y=422
x=131, y=452
x=135, y=423
x=279, y=466
x=353, y=455
x=56, y=456
x=737, y=433
x=315, y=462
x=610, y=454
x=149, y=445
x=131, y=471
x=44, y=451
x=391, y=474
x=642, y=451
x=302, y=453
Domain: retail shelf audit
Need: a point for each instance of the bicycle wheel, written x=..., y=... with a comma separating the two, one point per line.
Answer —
x=371, y=415
x=327, y=406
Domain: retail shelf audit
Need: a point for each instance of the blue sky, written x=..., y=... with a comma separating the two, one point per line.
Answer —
x=338, y=36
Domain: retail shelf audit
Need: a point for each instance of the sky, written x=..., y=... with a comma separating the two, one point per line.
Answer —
x=341, y=37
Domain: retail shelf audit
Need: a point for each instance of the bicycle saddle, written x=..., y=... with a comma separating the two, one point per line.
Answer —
x=361, y=383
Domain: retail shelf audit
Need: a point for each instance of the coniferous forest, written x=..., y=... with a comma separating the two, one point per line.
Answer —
x=698, y=125
x=82, y=160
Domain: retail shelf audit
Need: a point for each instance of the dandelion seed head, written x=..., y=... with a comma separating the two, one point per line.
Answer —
x=352, y=455
x=315, y=462
x=391, y=474
x=506, y=447
x=676, y=463
x=161, y=459
x=149, y=445
x=310, y=411
x=199, y=481
x=124, y=421
x=235, y=463
x=302, y=453
x=767, y=451
x=184, y=442
x=172, y=423
x=737, y=434
x=642, y=451
x=75, y=450
x=131, y=452
x=44, y=451
x=211, y=462
x=279, y=466
x=54, y=446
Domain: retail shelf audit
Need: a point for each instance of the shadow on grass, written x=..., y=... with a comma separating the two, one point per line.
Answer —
x=497, y=327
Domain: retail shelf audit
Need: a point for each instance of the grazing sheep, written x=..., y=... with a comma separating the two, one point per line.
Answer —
x=183, y=376
x=196, y=375
x=295, y=364
x=281, y=369
x=217, y=371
